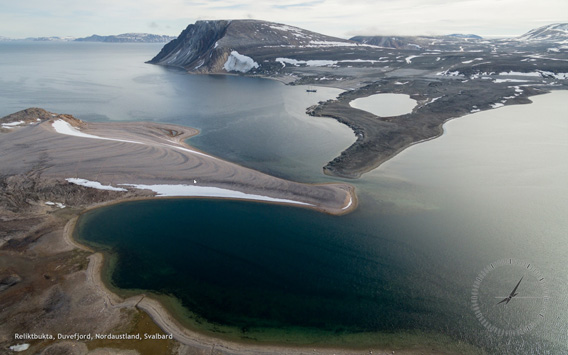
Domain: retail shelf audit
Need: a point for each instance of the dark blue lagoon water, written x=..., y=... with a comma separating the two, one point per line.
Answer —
x=418, y=262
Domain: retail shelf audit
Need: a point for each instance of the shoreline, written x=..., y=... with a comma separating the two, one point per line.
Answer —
x=157, y=311
x=140, y=155
x=193, y=338
x=379, y=138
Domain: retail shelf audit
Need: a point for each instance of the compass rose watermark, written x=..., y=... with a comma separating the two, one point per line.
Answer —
x=509, y=297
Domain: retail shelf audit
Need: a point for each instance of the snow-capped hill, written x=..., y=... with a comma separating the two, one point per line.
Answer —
x=263, y=33
x=418, y=42
x=50, y=39
x=551, y=33
x=128, y=38
x=398, y=42
x=238, y=45
x=465, y=36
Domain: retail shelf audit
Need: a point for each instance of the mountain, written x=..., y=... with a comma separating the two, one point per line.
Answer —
x=397, y=42
x=297, y=55
x=416, y=42
x=557, y=32
x=128, y=38
x=223, y=45
x=465, y=36
x=449, y=76
x=50, y=39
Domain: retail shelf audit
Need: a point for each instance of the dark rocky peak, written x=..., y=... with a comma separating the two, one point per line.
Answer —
x=221, y=46
x=193, y=43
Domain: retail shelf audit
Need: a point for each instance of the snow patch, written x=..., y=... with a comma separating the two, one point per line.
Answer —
x=309, y=63
x=434, y=100
x=450, y=73
x=517, y=89
x=372, y=61
x=208, y=191
x=498, y=81
x=562, y=76
x=94, y=184
x=538, y=73
x=239, y=62
x=19, y=347
x=516, y=73
x=58, y=204
x=471, y=61
x=12, y=124
x=65, y=127
x=497, y=105
x=409, y=59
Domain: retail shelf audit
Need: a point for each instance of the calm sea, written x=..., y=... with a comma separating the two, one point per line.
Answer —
x=416, y=263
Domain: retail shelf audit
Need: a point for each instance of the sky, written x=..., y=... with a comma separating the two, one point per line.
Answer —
x=341, y=18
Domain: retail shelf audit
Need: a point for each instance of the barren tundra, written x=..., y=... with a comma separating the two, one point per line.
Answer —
x=449, y=76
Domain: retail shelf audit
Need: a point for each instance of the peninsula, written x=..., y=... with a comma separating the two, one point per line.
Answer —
x=54, y=166
x=448, y=76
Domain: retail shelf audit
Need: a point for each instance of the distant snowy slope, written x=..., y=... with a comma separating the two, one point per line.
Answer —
x=554, y=33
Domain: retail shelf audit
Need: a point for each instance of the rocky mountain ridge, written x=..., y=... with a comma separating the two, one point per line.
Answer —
x=207, y=46
x=121, y=38
x=273, y=49
x=128, y=38
x=449, y=76
x=557, y=32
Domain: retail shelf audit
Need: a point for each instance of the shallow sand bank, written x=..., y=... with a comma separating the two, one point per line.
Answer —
x=144, y=153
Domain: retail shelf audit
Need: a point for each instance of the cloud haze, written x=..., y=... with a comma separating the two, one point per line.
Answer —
x=341, y=18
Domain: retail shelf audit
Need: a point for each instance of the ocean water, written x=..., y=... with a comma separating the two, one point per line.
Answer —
x=417, y=262
x=111, y=82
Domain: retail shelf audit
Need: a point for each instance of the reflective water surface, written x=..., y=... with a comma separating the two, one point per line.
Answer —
x=403, y=266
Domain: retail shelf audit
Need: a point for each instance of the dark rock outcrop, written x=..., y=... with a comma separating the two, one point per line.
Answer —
x=194, y=45
x=205, y=46
x=9, y=280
